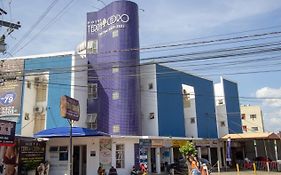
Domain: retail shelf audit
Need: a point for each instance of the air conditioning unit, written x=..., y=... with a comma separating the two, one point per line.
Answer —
x=38, y=109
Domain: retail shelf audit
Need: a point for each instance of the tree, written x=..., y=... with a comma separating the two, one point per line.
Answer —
x=188, y=151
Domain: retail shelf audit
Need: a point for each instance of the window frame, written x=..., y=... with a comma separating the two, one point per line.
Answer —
x=91, y=94
x=122, y=157
x=90, y=49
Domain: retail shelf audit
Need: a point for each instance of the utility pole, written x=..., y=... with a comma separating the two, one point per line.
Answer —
x=11, y=26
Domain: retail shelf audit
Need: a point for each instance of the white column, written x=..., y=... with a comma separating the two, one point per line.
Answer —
x=199, y=153
x=255, y=145
x=157, y=159
x=149, y=159
x=275, y=149
x=209, y=155
x=219, y=156
x=171, y=155
x=224, y=156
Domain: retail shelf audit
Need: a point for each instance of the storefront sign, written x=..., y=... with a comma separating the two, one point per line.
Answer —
x=31, y=154
x=7, y=132
x=178, y=143
x=69, y=108
x=156, y=143
x=10, y=89
x=145, y=142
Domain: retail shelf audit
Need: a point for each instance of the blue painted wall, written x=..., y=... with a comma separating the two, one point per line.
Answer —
x=232, y=106
x=170, y=103
x=59, y=84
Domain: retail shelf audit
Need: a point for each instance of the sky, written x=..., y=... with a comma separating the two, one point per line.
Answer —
x=63, y=27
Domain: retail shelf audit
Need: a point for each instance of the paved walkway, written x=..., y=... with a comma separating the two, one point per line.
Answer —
x=247, y=173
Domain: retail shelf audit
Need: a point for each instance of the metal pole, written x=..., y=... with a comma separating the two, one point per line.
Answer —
x=70, y=148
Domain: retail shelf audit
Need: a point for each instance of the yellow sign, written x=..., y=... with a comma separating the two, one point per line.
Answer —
x=157, y=143
x=178, y=143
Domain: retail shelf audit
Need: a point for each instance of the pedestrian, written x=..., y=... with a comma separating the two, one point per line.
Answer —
x=112, y=171
x=194, y=166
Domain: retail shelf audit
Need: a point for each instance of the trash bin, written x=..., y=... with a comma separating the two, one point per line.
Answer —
x=278, y=165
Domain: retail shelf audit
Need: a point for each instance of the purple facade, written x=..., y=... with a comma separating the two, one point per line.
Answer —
x=112, y=51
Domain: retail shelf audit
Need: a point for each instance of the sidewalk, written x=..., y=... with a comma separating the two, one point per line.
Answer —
x=247, y=173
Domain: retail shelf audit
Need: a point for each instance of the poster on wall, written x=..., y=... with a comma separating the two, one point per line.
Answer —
x=11, y=89
x=7, y=133
x=105, y=153
x=24, y=156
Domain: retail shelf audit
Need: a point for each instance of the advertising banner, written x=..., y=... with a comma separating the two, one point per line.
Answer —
x=105, y=153
x=7, y=133
x=11, y=89
x=228, y=150
x=69, y=108
x=25, y=156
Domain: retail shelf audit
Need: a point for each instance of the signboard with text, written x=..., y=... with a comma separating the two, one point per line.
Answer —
x=69, y=108
x=10, y=89
x=7, y=132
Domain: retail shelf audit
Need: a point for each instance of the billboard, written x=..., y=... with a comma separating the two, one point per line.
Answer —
x=11, y=89
x=69, y=108
x=7, y=132
x=26, y=156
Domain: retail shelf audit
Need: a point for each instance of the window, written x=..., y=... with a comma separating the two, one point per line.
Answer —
x=92, y=47
x=222, y=124
x=255, y=129
x=63, y=153
x=115, y=69
x=39, y=123
x=115, y=33
x=116, y=128
x=243, y=116
x=192, y=120
x=115, y=95
x=253, y=116
x=93, y=91
x=151, y=115
x=28, y=84
x=150, y=86
x=220, y=101
x=244, y=127
x=54, y=149
x=92, y=121
x=120, y=156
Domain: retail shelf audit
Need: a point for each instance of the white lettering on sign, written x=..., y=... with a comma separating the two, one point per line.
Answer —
x=98, y=25
x=5, y=128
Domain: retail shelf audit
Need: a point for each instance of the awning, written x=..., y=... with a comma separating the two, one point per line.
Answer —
x=65, y=131
x=242, y=136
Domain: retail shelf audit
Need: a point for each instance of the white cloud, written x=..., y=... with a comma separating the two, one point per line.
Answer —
x=269, y=94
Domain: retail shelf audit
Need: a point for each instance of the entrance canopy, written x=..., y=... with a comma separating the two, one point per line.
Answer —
x=265, y=135
x=65, y=131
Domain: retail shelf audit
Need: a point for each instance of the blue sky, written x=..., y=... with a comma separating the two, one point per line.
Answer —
x=162, y=21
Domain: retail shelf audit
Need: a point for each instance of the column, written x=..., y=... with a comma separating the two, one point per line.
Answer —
x=223, y=155
x=158, y=160
x=219, y=156
x=199, y=152
x=275, y=149
x=149, y=159
x=255, y=145
x=171, y=155
x=209, y=155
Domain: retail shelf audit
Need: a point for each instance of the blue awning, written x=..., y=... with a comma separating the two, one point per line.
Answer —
x=64, y=132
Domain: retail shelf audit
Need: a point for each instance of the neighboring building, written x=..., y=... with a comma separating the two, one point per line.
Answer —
x=227, y=108
x=252, y=118
x=178, y=104
x=47, y=78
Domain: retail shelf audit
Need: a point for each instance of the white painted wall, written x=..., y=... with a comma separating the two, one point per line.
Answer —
x=29, y=102
x=79, y=82
x=221, y=113
x=189, y=111
x=92, y=144
x=149, y=101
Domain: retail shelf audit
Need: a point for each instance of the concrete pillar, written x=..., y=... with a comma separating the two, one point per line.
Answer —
x=275, y=149
x=209, y=155
x=158, y=160
x=149, y=159
x=255, y=146
x=219, y=156
x=224, y=156
x=199, y=152
x=172, y=155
